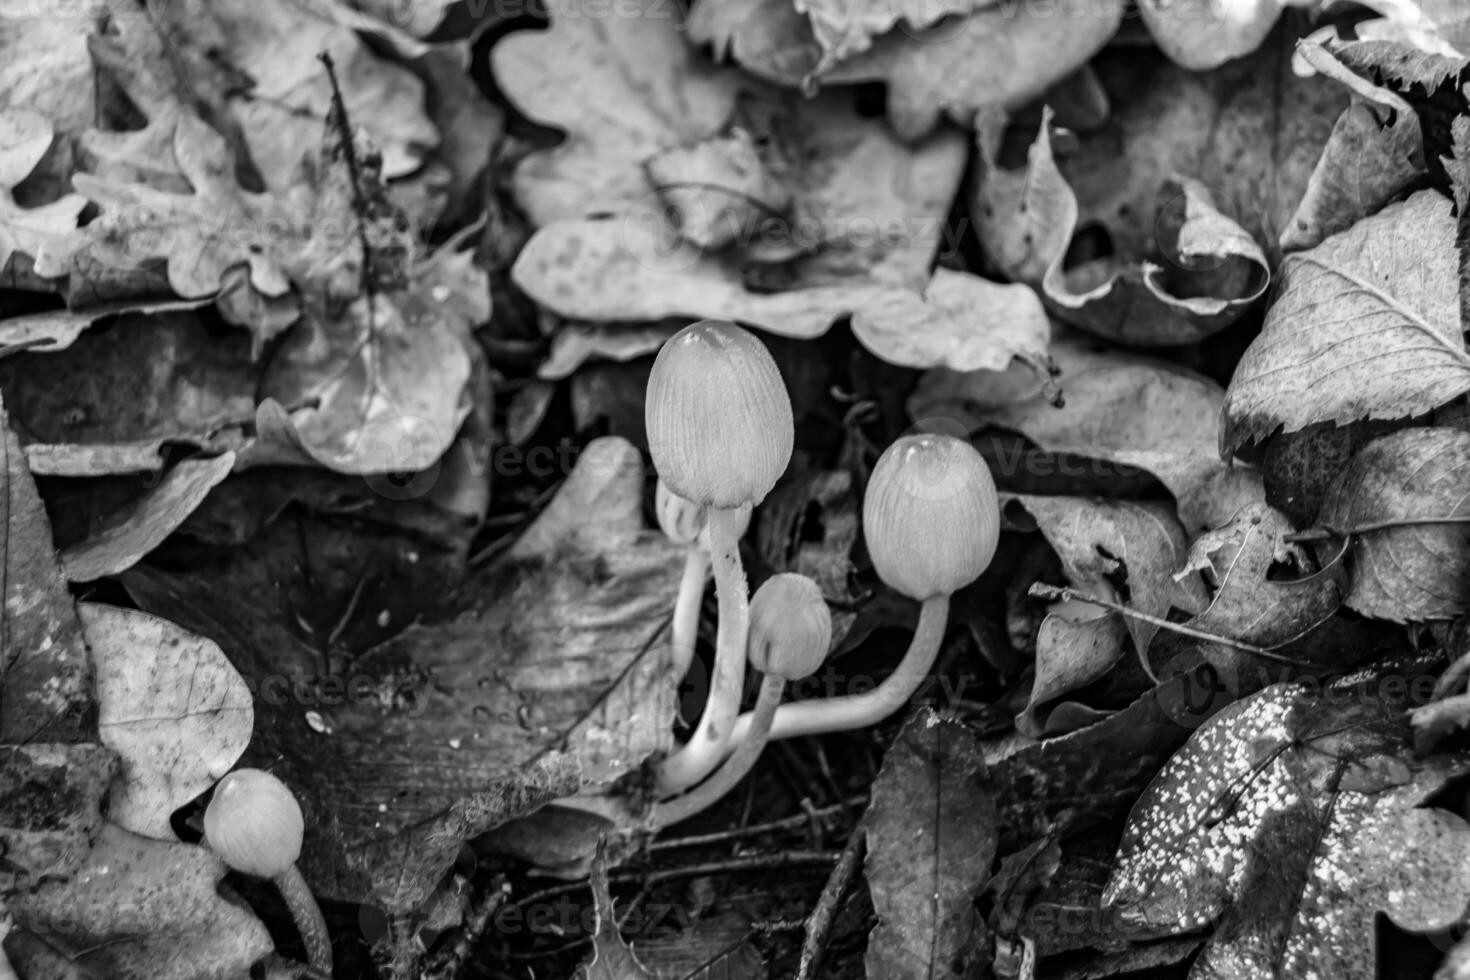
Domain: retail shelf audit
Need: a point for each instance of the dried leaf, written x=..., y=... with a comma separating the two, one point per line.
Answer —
x=932, y=834
x=1248, y=605
x=44, y=66
x=173, y=709
x=844, y=28
x=1204, y=34
x=199, y=235
x=43, y=232
x=1403, y=499
x=987, y=56
x=1458, y=164
x=1251, y=131
x=1375, y=151
x=141, y=910
x=45, y=674
x=1140, y=543
x=544, y=677
x=611, y=958
x=50, y=809
x=109, y=402
x=55, y=330
x=1118, y=407
x=1355, y=317
x=383, y=384
x=125, y=536
x=1211, y=271
x=858, y=236
x=991, y=57
x=1292, y=819
x=275, y=44
x=1397, y=57
x=1071, y=652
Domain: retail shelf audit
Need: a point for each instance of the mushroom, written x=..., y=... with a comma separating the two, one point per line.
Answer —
x=720, y=432
x=931, y=521
x=254, y=824
x=790, y=632
x=683, y=522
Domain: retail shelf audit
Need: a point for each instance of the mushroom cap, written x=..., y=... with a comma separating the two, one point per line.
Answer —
x=790, y=627
x=719, y=420
x=930, y=515
x=254, y=823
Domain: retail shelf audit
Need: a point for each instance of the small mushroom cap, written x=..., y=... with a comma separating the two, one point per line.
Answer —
x=930, y=515
x=681, y=520
x=790, y=627
x=719, y=419
x=254, y=823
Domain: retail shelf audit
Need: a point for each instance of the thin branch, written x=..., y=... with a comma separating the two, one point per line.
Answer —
x=796, y=822
x=1054, y=593
x=819, y=926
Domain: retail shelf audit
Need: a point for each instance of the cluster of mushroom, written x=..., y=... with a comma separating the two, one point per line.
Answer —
x=721, y=432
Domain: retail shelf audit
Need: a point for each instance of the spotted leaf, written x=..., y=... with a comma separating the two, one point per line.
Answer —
x=1289, y=821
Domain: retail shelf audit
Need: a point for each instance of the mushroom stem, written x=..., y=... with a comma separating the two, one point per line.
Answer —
x=308, y=918
x=685, y=629
x=735, y=768
x=818, y=716
x=706, y=747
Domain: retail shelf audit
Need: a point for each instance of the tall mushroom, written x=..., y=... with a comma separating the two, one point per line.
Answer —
x=720, y=431
x=254, y=824
x=683, y=522
x=790, y=632
x=931, y=521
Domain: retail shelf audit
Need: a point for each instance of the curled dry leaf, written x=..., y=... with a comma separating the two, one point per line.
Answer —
x=126, y=535
x=109, y=402
x=1251, y=131
x=139, y=909
x=1292, y=819
x=1136, y=543
x=1071, y=652
x=1209, y=269
x=171, y=706
x=1376, y=150
x=1404, y=500
x=1356, y=319
x=1249, y=605
x=932, y=834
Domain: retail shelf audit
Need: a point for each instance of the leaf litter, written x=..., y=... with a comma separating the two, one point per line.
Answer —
x=306, y=311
